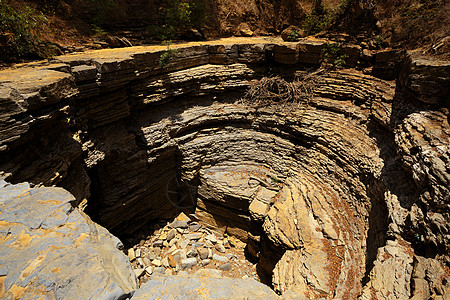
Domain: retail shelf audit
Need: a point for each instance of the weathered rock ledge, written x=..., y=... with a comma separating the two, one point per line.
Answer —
x=334, y=195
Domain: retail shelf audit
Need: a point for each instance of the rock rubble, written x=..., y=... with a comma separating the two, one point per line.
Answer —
x=186, y=245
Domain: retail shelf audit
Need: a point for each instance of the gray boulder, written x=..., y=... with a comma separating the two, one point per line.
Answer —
x=50, y=250
x=203, y=287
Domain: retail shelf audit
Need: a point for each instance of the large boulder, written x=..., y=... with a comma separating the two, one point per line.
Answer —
x=50, y=250
x=203, y=287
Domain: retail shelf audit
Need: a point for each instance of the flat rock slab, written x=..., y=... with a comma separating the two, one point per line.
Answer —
x=49, y=248
x=193, y=287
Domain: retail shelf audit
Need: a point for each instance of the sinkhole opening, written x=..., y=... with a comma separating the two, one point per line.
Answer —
x=285, y=194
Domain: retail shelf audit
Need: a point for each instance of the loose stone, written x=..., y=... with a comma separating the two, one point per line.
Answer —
x=205, y=262
x=165, y=262
x=179, y=224
x=220, y=258
x=183, y=244
x=193, y=236
x=140, y=261
x=159, y=270
x=172, y=249
x=172, y=261
x=149, y=270
x=212, y=238
x=171, y=234
x=138, y=272
x=220, y=248
x=138, y=252
x=193, y=217
x=173, y=242
x=195, y=227
x=131, y=254
x=183, y=254
x=225, y=267
x=151, y=255
x=158, y=243
x=188, y=263
x=191, y=253
x=146, y=261
x=203, y=253
x=156, y=262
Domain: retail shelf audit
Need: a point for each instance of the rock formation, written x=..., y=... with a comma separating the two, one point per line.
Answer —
x=334, y=194
x=49, y=249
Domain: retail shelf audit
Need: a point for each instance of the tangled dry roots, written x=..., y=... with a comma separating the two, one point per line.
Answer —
x=276, y=90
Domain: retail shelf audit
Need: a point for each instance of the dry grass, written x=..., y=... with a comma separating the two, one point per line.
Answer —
x=270, y=91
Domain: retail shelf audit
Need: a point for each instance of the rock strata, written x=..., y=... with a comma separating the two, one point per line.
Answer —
x=331, y=180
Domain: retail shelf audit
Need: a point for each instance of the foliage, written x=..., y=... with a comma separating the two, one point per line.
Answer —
x=294, y=36
x=19, y=29
x=165, y=58
x=332, y=55
x=379, y=41
x=317, y=20
x=98, y=31
x=321, y=17
x=180, y=15
x=100, y=11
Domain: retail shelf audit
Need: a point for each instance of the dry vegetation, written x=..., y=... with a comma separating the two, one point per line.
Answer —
x=284, y=94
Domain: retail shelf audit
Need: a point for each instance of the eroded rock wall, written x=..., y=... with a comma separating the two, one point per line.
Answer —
x=315, y=189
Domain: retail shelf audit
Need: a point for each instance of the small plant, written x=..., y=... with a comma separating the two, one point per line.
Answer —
x=332, y=55
x=379, y=41
x=294, y=36
x=274, y=179
x=165, y=58
x=98, y=31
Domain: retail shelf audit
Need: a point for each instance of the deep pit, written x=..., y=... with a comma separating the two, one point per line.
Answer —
x=308, y=181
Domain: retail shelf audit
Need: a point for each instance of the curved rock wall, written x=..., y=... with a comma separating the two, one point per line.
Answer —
x=322, y=191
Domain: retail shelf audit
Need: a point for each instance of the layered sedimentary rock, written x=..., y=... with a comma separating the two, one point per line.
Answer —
x=323, y=190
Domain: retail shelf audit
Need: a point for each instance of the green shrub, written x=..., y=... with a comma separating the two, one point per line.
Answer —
x=100, y=11
x=180, y=15
x=165, y=58
x=294, y=36
x=332, y=55
x=19, y=29
x=321, y=17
